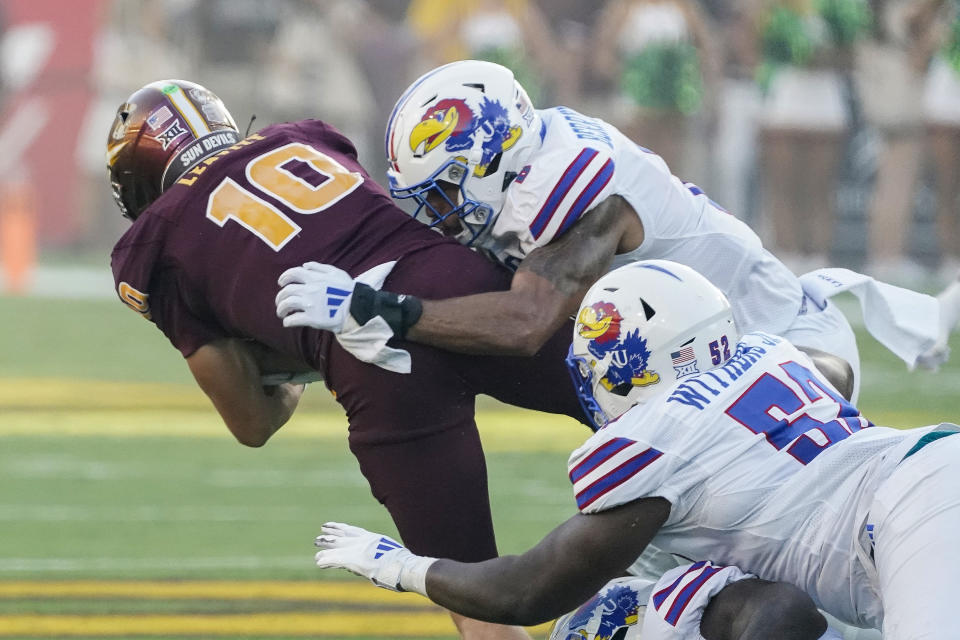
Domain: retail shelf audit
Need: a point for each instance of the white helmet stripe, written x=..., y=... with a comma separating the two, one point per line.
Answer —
x=187, y=109
x=402, y=100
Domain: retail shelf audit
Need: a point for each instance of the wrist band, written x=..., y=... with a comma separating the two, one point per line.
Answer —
x=413, y=575
x=398, y=310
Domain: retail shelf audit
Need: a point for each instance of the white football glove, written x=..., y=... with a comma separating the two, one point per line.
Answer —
x=382, y=560
x=315, y=295
x=304, y=301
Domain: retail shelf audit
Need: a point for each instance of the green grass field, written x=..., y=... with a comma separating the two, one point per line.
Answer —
x=128, y=511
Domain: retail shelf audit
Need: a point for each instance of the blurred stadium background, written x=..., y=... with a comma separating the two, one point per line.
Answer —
x=127, y=510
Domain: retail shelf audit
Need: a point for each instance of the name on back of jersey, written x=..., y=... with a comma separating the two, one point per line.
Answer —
x=585, y=128
x=699, y=391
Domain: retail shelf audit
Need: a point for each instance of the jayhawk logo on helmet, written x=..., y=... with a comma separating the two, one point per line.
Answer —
x=618, y=607
x=600, y=325
x=454, y=124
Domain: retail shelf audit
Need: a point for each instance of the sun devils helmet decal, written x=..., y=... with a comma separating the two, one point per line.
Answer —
x=160, y=131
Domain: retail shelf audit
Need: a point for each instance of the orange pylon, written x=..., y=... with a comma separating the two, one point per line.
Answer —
x=18, y=235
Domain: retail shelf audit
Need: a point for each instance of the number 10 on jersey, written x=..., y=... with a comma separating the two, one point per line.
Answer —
x=304, y=179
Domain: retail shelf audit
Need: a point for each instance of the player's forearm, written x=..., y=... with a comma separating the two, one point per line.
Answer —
x=505, y=323
x=568, y=566
x=572, y=562
x=500, y=591
x=228, y=373
x=545, y=291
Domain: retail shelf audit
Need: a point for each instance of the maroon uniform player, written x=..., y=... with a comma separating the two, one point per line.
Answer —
x=216, y=220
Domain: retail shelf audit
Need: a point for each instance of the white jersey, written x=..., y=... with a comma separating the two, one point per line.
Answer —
x=671, y=608
x=748, y=456
x=583, y=161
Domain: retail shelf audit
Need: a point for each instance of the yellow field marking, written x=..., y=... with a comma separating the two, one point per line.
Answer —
x=517, y=430
x=50, y=407
x=428, y=620
x=78, y=407
x=70, y=393
x=318, y=625
x=513, y=430
x=327, y=624
x=201, y=423
x=332, y=591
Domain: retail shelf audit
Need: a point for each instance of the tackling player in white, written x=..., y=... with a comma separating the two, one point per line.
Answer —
x=694, y=602
x=724, y=447
x=561, y=198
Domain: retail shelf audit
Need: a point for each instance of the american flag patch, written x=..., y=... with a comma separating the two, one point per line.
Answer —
x=159, y=117
x=684, y=362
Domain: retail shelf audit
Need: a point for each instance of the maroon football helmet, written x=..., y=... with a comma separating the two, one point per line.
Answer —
x=160, y=132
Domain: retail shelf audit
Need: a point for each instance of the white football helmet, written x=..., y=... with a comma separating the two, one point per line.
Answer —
x=616, y=611
x=640, y=329
x=468, y=123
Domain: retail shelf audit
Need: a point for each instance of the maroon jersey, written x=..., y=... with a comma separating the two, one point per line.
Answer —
x=202, y=263
x=203, y=260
